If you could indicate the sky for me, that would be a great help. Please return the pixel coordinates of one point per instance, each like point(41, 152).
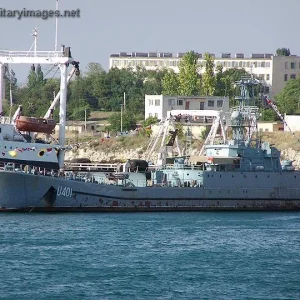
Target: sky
point(106, 26)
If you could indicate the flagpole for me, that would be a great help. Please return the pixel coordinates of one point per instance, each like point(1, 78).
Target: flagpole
point(56, 26)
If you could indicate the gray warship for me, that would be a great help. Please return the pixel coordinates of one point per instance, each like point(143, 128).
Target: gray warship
point(237, 172)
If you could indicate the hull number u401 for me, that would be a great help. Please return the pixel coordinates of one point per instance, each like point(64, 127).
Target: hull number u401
point(64, 191)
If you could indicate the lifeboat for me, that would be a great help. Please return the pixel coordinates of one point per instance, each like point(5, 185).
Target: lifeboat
point(32, 124)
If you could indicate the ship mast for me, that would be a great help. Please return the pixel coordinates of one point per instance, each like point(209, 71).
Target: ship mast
point(244, 117)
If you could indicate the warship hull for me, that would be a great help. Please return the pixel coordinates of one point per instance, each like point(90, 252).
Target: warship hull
point(233, 191)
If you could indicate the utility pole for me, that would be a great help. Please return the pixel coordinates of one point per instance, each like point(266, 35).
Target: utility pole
point(85, 120)
point(124, 101)
point(121, 118)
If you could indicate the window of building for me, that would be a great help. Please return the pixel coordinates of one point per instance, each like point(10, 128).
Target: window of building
point(293, 65)
point(248, 64)
point(262, 64)
point(267, 76)
point(171, 102)
point(268, 64)
point(156, 115)
point(293, 76)
point(150, 102)
point(286, 65)
point(285, 77)
point(211, 103)
point(179, 102)
point(219, 103)
point(157, 102)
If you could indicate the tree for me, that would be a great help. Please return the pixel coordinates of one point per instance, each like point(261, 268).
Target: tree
point(283, 52)
point(10, 84)
point(219, 82)
point(149, 121)
point(153, 82)
point(128, 121)
point(39, 75)
point(31, 78)
point(94, 69)
point(208, 78)
point(189, 78)
point(170, 84)
point(288, 99)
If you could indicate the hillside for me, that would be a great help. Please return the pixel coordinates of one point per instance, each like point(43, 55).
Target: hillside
point(123, 148)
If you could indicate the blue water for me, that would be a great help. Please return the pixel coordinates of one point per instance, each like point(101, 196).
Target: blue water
point(150, 256)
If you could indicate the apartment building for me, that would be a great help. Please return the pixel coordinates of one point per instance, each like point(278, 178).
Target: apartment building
point(159, 105)
point(274, 71)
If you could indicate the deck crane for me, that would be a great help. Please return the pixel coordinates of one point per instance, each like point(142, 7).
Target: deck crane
point(274, 107)
point(75, 71)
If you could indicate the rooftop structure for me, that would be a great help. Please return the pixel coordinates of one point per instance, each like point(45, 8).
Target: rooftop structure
point(159, 105)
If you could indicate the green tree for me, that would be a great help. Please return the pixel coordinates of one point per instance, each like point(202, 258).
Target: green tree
point(128, 121)
point(268, 114)
point(170, 84)
point(31, 78)
point(283, 52)
point(153, 82)
point(39, 75)
point(208, 78)
point(10, 81)
point(149, 121)
point(288, 99)
point(220, 89)
point(189, 78)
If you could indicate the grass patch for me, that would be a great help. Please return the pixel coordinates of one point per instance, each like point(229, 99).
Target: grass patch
point(101, 116)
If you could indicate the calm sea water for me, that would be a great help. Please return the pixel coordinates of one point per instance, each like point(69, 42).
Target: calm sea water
point(150, 256)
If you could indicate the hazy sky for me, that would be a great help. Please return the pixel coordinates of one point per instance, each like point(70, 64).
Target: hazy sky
point(106, 27)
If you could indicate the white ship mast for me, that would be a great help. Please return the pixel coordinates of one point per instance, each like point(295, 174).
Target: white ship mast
point(61, 57)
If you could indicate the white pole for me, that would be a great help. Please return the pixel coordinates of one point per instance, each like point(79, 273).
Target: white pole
point(35, 40)
point(56, 26)
point(62, 112)
point(124, 101)
point(2, 85)
point(121, 118)
point(85, 120)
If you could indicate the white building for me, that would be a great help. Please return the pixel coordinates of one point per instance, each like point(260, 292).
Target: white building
point(159, 105)
point(275, 71)
point(293, 122)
